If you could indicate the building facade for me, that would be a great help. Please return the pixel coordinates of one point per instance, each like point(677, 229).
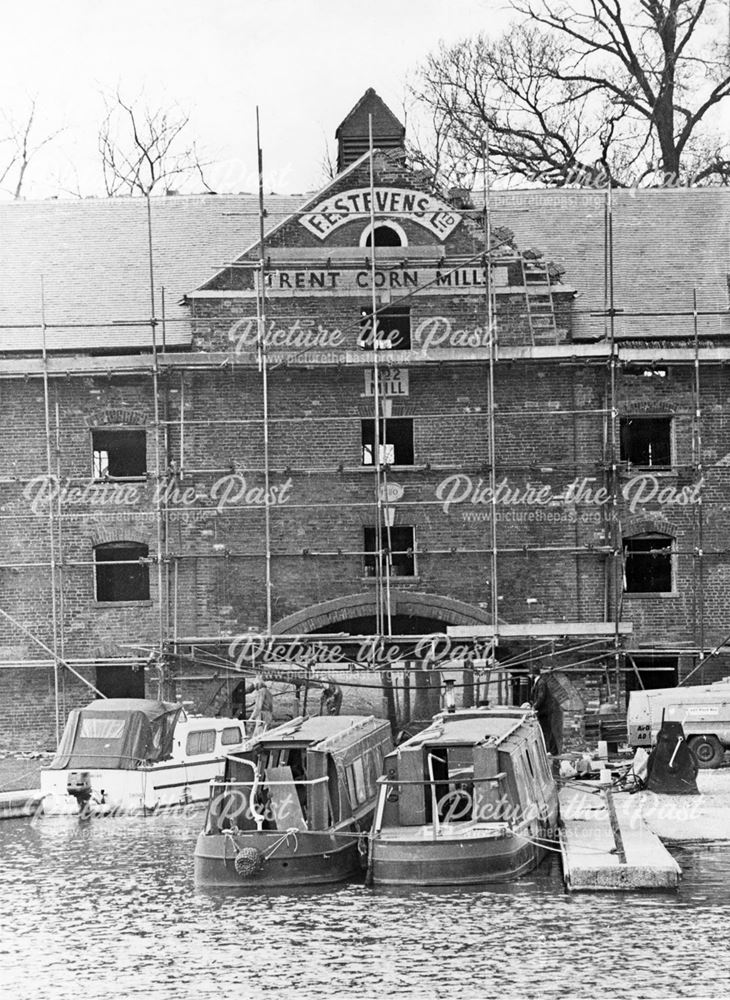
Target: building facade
point(410, 440)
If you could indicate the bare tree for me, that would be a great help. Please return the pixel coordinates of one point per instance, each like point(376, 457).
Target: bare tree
point(143, 149)
point(585, 90)
point(18, 146)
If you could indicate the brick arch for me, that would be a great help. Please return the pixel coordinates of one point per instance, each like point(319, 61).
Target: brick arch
point(648, 526)
point(447, 609)
point(121, 531)
point(115, 416)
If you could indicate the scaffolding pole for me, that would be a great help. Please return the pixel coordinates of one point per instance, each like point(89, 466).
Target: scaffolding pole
point(51, 525)
point(262, 355)
point(156, 405)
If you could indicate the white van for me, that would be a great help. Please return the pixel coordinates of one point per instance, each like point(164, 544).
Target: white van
point(704, 712)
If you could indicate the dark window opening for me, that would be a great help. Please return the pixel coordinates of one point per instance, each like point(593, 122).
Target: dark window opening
point(119, 454)
point(120, 680)
point(120, 575)
point(647, 673)
point(646, 441)
point(452, 791)
point(648, 564)
point(385, 236)
point(393, 329)
point(396, 441)
point(397, 551)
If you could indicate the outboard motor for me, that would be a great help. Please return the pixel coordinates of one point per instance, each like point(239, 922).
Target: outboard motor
point(78, 784)
point(672, 768)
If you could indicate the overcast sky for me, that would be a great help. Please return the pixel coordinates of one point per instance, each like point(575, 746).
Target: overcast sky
point(304, 62)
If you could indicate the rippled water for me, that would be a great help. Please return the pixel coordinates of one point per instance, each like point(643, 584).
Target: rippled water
point(109, 909)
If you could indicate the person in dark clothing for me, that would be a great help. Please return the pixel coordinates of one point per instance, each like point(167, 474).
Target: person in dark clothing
point(549, 713)
point(331, 700)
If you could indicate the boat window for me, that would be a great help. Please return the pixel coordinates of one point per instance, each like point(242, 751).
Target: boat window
point(361, 788)
point(374, 765)
point(201, 741)
point(350, 775)
point(101, 729)
point(231, 735)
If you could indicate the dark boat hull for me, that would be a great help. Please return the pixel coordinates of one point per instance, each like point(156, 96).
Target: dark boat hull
point(471, 861)
point(304, 859)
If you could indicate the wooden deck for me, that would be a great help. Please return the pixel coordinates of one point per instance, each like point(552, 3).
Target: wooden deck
point(599, 854)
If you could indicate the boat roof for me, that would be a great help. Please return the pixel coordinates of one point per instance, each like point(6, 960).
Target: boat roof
point(470, 726)
point(322, 731)
point(152, 709)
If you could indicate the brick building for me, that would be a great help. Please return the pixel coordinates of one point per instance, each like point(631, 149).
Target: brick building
point(188, 464)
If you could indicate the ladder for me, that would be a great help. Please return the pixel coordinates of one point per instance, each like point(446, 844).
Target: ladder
point(539, 299)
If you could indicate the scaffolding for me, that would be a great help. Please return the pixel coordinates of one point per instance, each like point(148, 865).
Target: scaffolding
point(169, 369)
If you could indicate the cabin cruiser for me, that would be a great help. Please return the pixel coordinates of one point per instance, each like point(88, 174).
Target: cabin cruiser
point(469, 800)
point(295, 806)
point(135, 754)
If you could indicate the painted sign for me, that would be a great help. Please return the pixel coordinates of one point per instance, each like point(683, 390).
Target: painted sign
point(397, 203)
point(430, 280)
point(393, 382)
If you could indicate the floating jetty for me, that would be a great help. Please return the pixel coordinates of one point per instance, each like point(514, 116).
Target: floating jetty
point(25, 802)
point(605, 848)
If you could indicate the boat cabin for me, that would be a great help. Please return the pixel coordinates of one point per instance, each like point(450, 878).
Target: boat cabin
point(475, 766)
point(117, 733)
point(308, 774)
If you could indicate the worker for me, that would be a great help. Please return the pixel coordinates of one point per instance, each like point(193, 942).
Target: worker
point(549, 712)
point(263, 705)
point(331, 699)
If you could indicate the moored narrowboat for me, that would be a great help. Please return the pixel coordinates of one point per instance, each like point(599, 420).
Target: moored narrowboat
point(295, 807)
point(467, 801)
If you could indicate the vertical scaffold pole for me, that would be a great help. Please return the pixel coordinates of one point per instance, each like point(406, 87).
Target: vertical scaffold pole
point(492, 333)
point(262, 351)
point(51, 526)
point(616, 541)
point(699, 472)
point(156, 405)
point(379, 601)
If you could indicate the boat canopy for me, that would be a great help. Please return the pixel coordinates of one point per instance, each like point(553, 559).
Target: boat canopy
point(119, 733)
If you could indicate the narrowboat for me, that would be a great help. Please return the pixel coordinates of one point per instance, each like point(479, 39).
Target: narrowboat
point(469, 800)
point(136, 755)
point(295, 807)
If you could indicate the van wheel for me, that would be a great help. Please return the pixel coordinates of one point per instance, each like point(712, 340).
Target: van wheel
point(707, 750)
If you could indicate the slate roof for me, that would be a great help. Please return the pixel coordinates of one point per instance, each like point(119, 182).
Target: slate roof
point(665, 243)
point(356, 122)
point(93, 258)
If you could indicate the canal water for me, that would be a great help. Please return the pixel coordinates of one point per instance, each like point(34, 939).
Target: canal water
point(109, 908)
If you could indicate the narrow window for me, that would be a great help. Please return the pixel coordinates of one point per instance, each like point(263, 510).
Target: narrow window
point(119, 454)
point(199, 742)
point(397, 551)
point(393, 328)
point(646, 441)
point(396, 441)
point(120, 573)
point(648, 564)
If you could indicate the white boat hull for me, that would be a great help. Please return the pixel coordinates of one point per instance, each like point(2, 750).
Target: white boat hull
point(143, 790)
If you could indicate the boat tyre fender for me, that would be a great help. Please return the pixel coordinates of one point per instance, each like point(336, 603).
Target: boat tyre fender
point(248, 862)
